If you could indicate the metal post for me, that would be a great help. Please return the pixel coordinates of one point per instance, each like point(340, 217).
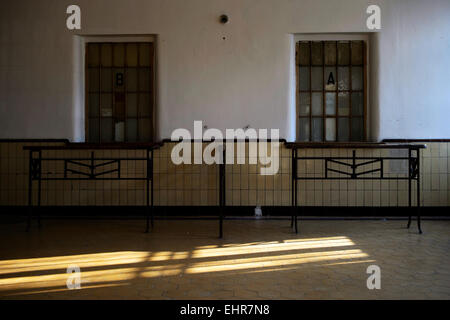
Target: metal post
point(418, 190)
point(30, 190)
point(118, 168)
point(295, 191)
point(353, 164)
point(92, 168)
point(151, 174)
point(410, 173)
point(39, 187)
point(292, 186)
point(221, 192)
point(147, 190)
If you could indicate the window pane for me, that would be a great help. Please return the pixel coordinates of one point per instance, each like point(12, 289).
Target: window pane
point(119, 131)
point(106, 112)
point(119, 106)
point(107, 129)
point(343, 129)
point(93, 55)
point(317, 104)
point(131, 79)
point(337, 70)
point(317, 53)
point(357, 103)
point(93, 130)
point(112, 112)
point(330, 78)
point(357, 52)
point(94, 103)
point(330, 129)
point(357, 129)
point(132, 55)
point(330, 103)
point(144, 105)
point(145, 129)
point(343, 104)
point(304, 78)
point(94, 78)
point(330, 53)
point(304, 53)
point(106, 80)
point(357, 78)
point(106, 105)
point(131, 130)
point(106, 55)
point(317, 129)
point(303, 129)
point(119, 55)
point(317, 78)
point(144, 54)
point(305, 103)
point(343, 53)
point(144, 79)
point(343, 78)
point(131, 105)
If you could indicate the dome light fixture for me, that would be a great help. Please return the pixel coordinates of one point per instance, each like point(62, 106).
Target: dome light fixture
point(224, 19)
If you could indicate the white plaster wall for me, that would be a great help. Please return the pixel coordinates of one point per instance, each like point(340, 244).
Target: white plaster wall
point(414, 67)
point(245, 79)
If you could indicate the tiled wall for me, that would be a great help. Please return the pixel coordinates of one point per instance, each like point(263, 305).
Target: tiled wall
point(197, 184)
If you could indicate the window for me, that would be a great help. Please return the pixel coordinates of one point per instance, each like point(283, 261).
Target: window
point(119, 87)
point(331, 90)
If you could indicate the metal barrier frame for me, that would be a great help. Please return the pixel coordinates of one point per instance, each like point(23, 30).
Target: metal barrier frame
point(353, 164)
point(35, 170)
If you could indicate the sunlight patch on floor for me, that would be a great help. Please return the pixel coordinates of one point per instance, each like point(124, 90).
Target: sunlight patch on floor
point(110, 268)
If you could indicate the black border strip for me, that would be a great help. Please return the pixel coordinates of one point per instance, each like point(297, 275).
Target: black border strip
point(34, 140)
point(246, 140)
point(230, 211)
point(415, 140)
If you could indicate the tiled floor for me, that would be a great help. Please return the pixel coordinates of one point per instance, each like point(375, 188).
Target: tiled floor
point(184, 259)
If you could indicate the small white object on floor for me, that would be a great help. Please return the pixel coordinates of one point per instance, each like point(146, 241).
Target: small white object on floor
point(258, 212)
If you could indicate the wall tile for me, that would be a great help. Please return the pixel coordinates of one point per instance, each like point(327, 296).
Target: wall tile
point(189, 184)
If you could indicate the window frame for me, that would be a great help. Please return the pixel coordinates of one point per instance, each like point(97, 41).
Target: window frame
point(120, 40)
point(323, 39)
